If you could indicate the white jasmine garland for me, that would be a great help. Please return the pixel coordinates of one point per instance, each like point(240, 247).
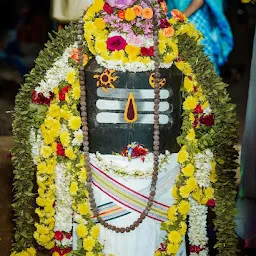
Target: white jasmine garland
point(197, 232)
point(203, 163)
point(56, 73)
point(36, 143)
point(63, 207)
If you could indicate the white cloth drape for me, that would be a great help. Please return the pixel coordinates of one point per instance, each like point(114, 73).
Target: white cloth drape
point(69, 10)
point(146, 239)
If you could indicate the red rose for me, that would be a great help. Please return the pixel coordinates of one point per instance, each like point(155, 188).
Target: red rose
point(207, 120)
point(211, 203)
point(62, 96)
point(108, 9)
point(58, 235)
point(144, 51)
point(151, 51)
point(116, 43)
point(164, 23)
point(198, 109)
point(68, 235)
point(60, 150)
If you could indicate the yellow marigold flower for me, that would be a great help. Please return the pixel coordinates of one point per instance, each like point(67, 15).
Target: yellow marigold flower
point(53, 111)
point(184, 207)
point(81, 230)
point(73, 188)
point(83, 175)
point(65, 114)
point(191, 117)
point(172, 212)
point(75, 122)
point(89, 243)
point(188, 84)
point(169, 58)
point(204, 201)
point(157, 253)
point(71, 77)
point(191, 135)
point(95, 231)
point(197, 195)
point(132, 50)
point(209, 193)
point(184, 191)
point(188, 170)
point(83, 208)
point(174, 237)
point(175, 192)
point(76, 93)
point(99, 23)
point(64, 138)
point(182, 156)
point(192, 184)
point(55, 254)
point(46, 151)
point(189, 103)
point(130, 14)
point(172, 248)
point(70, 153)
point(49, 245)
point(183, 228)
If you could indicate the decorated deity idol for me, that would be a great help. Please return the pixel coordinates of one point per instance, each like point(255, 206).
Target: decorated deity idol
point(129, 134)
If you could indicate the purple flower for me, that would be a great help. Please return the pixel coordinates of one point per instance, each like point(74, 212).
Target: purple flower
point(120, 4)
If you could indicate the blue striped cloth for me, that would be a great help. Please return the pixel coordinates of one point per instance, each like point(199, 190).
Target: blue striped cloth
point(211, 21)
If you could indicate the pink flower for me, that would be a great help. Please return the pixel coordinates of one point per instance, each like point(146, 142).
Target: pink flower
point(120, 4)
point(116, 43)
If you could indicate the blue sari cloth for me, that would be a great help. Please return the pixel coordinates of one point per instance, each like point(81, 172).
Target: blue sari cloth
point(211, 21)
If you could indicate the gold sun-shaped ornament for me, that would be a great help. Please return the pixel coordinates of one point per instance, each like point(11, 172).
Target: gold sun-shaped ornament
point(106, 79)
point(152, 81)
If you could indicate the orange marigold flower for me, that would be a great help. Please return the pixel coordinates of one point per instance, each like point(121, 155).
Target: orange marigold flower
point(164, 6)
point(75, 56)
point(168, 32)
point(178, 15)
point(137, 9)
point(121, 14)
point(147, 13)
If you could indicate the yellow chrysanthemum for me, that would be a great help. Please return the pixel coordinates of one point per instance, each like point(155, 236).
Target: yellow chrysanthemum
point(83, 208)
point(172, 248)
point(75, 122)
point(184, 207)
point(183, 228)
point(191, 117)
point(182, 156)
point(205, 105)
point(89, 243)
point(99, 23)
point(73, 188)
point(130, 14)
point(49, 245)
point(76, 93)
point(188, 84)
point(54, 111)
point(184, 191)
point(100, 46)
point(169, 58)
point(64, 138)
point(117, 55)
point(189, 103)
point(172, 212)
point(83, 175)
point(175, 192)
point(191, 135)
point(46, 151)
point(65, 114)
point(90, 254)
point(209, 193)
point(81, 230)
point(157, 253)
point(192, 184)
point(132, 50)
point(174, 237)
point(188, 170)
point(70, 153)
point(95, 231)
point(71, 77)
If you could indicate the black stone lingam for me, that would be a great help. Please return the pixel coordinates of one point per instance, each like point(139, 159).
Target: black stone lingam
point(108, 130)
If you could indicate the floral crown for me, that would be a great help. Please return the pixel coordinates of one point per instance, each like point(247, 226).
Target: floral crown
point(120, 33)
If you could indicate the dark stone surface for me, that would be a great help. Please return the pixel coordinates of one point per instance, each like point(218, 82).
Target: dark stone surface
point(108, 138)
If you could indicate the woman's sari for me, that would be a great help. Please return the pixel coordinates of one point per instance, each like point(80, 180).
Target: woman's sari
point(212, 23)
